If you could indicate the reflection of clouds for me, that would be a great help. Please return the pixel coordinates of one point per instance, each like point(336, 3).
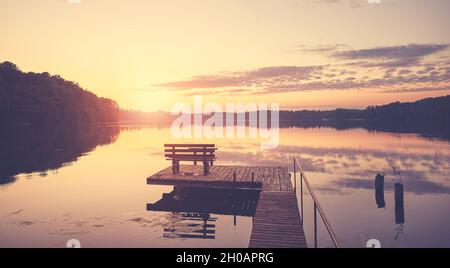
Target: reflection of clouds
point(25, 223)
point(321, 159)
point(327, 189)
point(67, 224)
point(356, 168)
point(414, 182)
point(275, 158)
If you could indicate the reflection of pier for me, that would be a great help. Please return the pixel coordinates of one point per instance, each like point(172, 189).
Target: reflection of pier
point(200, 200)
point(264, 192)
point(191, 225)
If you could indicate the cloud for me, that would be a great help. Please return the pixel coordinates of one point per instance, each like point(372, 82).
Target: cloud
point(356, 3)
point(318, 49)
point(351, 3)
point(406, 68)
point(406, 81)
point(418, 89)
point(257, 77)
point(329, 1)
point(392, 56)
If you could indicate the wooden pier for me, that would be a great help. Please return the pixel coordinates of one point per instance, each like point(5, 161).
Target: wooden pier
point(276, 223)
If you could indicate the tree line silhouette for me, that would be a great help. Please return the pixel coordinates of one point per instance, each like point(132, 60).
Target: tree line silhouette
point(429, 110)
point(426, 116)
point(43, 98)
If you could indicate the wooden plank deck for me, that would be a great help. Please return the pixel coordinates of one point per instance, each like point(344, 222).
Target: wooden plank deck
point(265, 178)
point(277, 222)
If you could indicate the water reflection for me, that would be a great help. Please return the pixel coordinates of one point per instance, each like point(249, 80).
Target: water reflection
point(235, 202)
point(191, 225)
point(399, 206)
point(431, 130)
point(379, 191)
point(29, 149)
point(190, 205)
point(341, 165)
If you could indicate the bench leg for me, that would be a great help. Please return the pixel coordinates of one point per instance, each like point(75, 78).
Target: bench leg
point(205, 168)
point(175, 167)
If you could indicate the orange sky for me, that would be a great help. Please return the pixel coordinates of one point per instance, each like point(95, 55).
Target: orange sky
point(149, 55)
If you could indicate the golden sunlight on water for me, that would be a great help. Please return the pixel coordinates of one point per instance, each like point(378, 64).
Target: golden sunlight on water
point(99, 196)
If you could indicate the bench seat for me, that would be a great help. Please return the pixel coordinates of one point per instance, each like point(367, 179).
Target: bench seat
point(205, 153)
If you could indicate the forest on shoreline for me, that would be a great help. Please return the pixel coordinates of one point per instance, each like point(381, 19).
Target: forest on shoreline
point(43, 98)
point(49, 99)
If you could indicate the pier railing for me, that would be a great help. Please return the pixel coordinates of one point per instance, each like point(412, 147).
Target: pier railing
point(317, 207)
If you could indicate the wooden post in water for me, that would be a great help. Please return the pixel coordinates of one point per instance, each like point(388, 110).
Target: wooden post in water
point(379, 191)
point(234, 176)
point(399, 205)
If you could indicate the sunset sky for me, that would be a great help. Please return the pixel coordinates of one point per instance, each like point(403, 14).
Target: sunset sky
point(309, 54)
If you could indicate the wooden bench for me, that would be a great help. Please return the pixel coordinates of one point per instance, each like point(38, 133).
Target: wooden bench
point(205, 153)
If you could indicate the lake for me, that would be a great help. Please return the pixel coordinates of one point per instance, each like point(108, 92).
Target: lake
point(89, 183)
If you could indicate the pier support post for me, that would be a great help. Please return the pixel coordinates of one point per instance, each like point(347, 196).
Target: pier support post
point(295, 177)
point(301, 194)
point(315, 225)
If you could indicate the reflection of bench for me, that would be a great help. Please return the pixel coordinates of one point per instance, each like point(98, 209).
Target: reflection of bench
point(205, 153)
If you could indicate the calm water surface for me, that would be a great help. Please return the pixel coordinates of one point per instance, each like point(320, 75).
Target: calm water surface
point(90, 184)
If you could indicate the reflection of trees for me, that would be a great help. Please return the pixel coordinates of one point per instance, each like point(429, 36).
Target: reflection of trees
point(192, 207)
point(27, 149)
point(430, 130)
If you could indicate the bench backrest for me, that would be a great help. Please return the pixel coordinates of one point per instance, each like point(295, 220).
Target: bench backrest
point(190, 151)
